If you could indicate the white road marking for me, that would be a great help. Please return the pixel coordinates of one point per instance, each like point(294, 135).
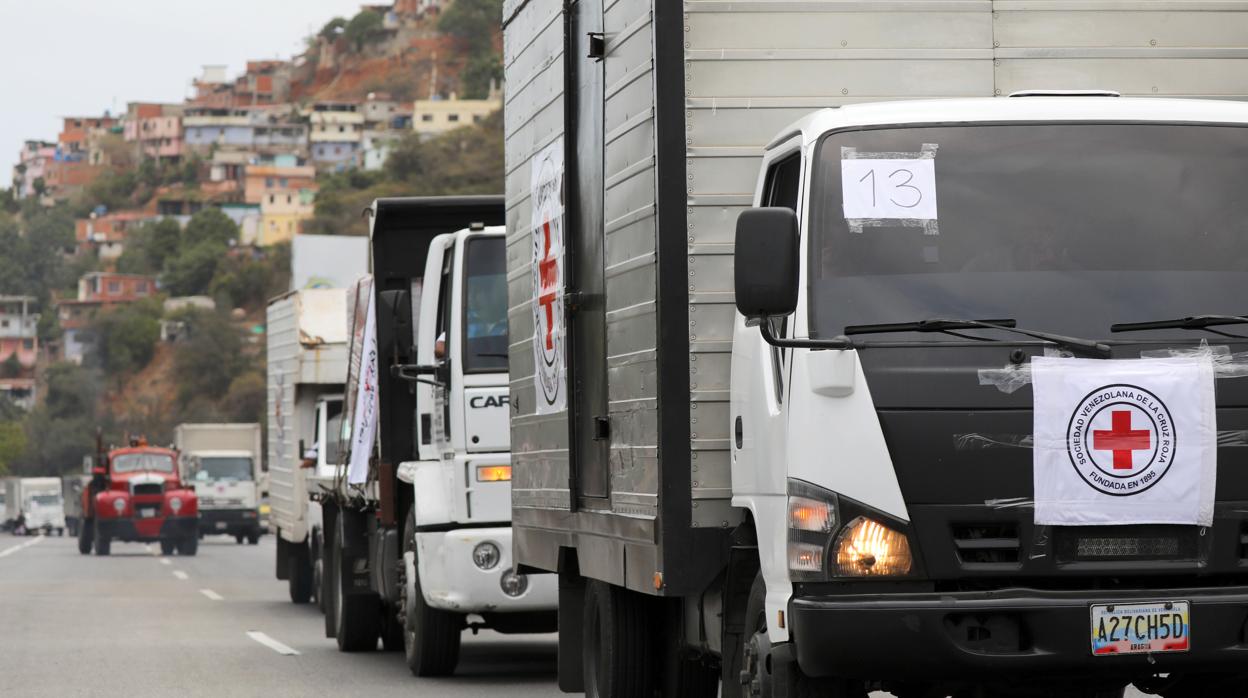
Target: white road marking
point(271, 643)
point(181, 575)
point(163, 561)
point(212, 594)
point(9, 551)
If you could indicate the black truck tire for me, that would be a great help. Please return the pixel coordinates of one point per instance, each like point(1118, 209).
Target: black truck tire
point(618, 654)
point(253, 538)
point(431, 636)
point(238, 538)
point(168, 546)
point(189, 546)
point(86, 532)
point(328, 593)
point(357, 617)
point(299, 574)
point(103, 545)
point(318, 573)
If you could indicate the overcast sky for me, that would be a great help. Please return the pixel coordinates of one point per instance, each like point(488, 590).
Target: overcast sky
point(80, 57)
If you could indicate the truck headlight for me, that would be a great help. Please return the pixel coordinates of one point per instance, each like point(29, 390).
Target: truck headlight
point(486, 556)
point(513, 583)
point(867, 548)
point(119, 504)
point(175, 504)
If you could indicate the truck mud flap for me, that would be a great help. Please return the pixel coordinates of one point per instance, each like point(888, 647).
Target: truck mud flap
point(354, 565)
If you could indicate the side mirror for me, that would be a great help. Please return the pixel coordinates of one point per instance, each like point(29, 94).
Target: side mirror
point(765, 267)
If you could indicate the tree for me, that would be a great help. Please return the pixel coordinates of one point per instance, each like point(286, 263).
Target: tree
point(191, 272)
point(12, 444)
point(11, 367)
point(209, 362)
point(59, 432)
point(150, 246)
point(333, 28)
point(483, 71)
point(126, 337)
point(364, 27)
point(210, 224)
point(473, 22)
point(245, 400)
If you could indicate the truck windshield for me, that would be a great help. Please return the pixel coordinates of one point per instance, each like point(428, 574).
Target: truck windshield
point(223, 468)
point(134, 462)
point(485, 306)
point(46, 500)
point(1064, 227)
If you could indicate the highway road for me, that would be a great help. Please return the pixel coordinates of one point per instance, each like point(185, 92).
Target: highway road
point(137, 624)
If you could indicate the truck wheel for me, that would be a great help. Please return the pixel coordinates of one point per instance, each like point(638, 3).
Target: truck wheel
point(328, 594)
point(60, 532)
point(357, 617)
point(167, 546)
point(102, 544)
point(299, 574)
point(391, 631)
point(431, 636)
point(253, 538)
point(318, 577)
point(189, 546)
point(238, 538)
point(85, 531)
point(617, 656)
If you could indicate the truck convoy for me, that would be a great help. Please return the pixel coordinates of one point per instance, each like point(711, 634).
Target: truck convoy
point(223, 463)
point(35, 505)
point(418, 544)
point(137, 495)
point(773, 418)
point(307, 364)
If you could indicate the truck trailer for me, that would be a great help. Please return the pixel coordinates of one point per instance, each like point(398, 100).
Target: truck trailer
point(419, 515)
point(772, 424)
point(223, 463)
point(307, 363)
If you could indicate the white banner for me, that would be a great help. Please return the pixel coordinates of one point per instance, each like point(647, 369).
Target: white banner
point(1125, 441)
point(364, 418)
point(550, 372)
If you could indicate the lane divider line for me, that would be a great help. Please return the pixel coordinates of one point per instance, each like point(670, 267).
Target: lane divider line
point(181, 575)
point(212, 594)
point(21, 546)
point(271, 643)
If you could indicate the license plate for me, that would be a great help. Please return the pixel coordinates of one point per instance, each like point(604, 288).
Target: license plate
point(1141, 628)
point(147, 513)
point(221, 525)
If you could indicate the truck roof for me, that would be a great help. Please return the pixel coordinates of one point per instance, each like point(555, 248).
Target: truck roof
point(1028, 108)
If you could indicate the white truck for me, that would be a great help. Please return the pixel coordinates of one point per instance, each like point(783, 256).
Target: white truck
point(35, 504)
point(776, 446)
point(420, 538)
point(307, 363)
point(224, 463)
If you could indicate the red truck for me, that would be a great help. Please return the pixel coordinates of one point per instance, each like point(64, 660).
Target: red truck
point(136, 494)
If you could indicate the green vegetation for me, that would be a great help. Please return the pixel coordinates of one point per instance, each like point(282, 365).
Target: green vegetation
point(364, 27)
point(126, 337)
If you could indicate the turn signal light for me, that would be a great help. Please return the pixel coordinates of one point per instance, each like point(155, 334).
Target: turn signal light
point(493, 473)
point(806, 514)
point(868, 548)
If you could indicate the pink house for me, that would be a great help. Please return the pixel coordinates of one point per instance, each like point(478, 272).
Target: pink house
point(19, 330)
point(156, 129)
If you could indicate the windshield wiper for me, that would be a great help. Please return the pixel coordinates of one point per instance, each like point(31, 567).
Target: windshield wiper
point(1075, 345)
point(1195, 322)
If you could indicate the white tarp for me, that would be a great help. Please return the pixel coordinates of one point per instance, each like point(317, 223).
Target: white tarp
point(1124, 441)
point(364, 417)
point(550, 372)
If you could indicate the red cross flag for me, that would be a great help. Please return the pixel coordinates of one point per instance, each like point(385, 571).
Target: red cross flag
point(550, 381)
point(1124, 441)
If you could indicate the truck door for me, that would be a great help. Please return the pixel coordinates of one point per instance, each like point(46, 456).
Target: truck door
point(435, 344)
point(586, 283)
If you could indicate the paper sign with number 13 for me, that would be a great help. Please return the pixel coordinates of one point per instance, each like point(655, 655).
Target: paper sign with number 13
point(888, 188)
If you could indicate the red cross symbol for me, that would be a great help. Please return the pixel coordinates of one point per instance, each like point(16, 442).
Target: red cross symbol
point(548, 271)
point(1122, 439)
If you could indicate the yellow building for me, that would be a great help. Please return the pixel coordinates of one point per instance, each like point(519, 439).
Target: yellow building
point(282, 215)
point(433, 116)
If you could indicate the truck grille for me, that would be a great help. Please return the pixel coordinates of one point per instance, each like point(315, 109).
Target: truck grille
point(148, 488)
point(1117, 543)
point(990, 543)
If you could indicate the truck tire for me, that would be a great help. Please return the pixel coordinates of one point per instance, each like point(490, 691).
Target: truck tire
point(327, 588)
point(238, 538)
point(318, 573)
point(299, 574)
point(103, 545)
point(253, 538)
point(168, 546)
point(431, 636)
point(617, 656)
point(85, 535)
point(188, 546)
point(357, 617)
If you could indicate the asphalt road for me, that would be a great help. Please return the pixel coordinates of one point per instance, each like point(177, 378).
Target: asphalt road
point(135, 624)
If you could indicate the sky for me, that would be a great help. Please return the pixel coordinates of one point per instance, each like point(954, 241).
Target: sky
point(80, 57)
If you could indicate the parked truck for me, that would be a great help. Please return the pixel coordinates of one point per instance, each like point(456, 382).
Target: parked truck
point(36, 504)
point(419, 516)
point(771, 421)
point(223, 462)
point(136, 494)
point(71, 495)
point(307, 363)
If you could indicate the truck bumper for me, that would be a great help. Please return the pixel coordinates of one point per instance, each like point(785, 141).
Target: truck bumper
point(450, 580)
point(1003, 634)
point(148, 530)
point(229, 521)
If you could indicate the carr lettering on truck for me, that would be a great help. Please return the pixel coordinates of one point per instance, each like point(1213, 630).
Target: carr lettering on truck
point(478, 402)
point(824, 414)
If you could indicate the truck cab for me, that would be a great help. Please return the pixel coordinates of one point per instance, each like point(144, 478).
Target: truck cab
point(227, 489)
point(137, 495)
point(905, 269)
point(39, 505)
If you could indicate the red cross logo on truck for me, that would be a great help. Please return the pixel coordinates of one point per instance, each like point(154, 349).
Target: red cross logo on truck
point(548, 269)
point(1122, 440)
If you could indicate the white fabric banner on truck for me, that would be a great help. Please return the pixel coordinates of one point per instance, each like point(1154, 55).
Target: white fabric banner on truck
point(364, 418)
point(1124, 441)
point(550, 368)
